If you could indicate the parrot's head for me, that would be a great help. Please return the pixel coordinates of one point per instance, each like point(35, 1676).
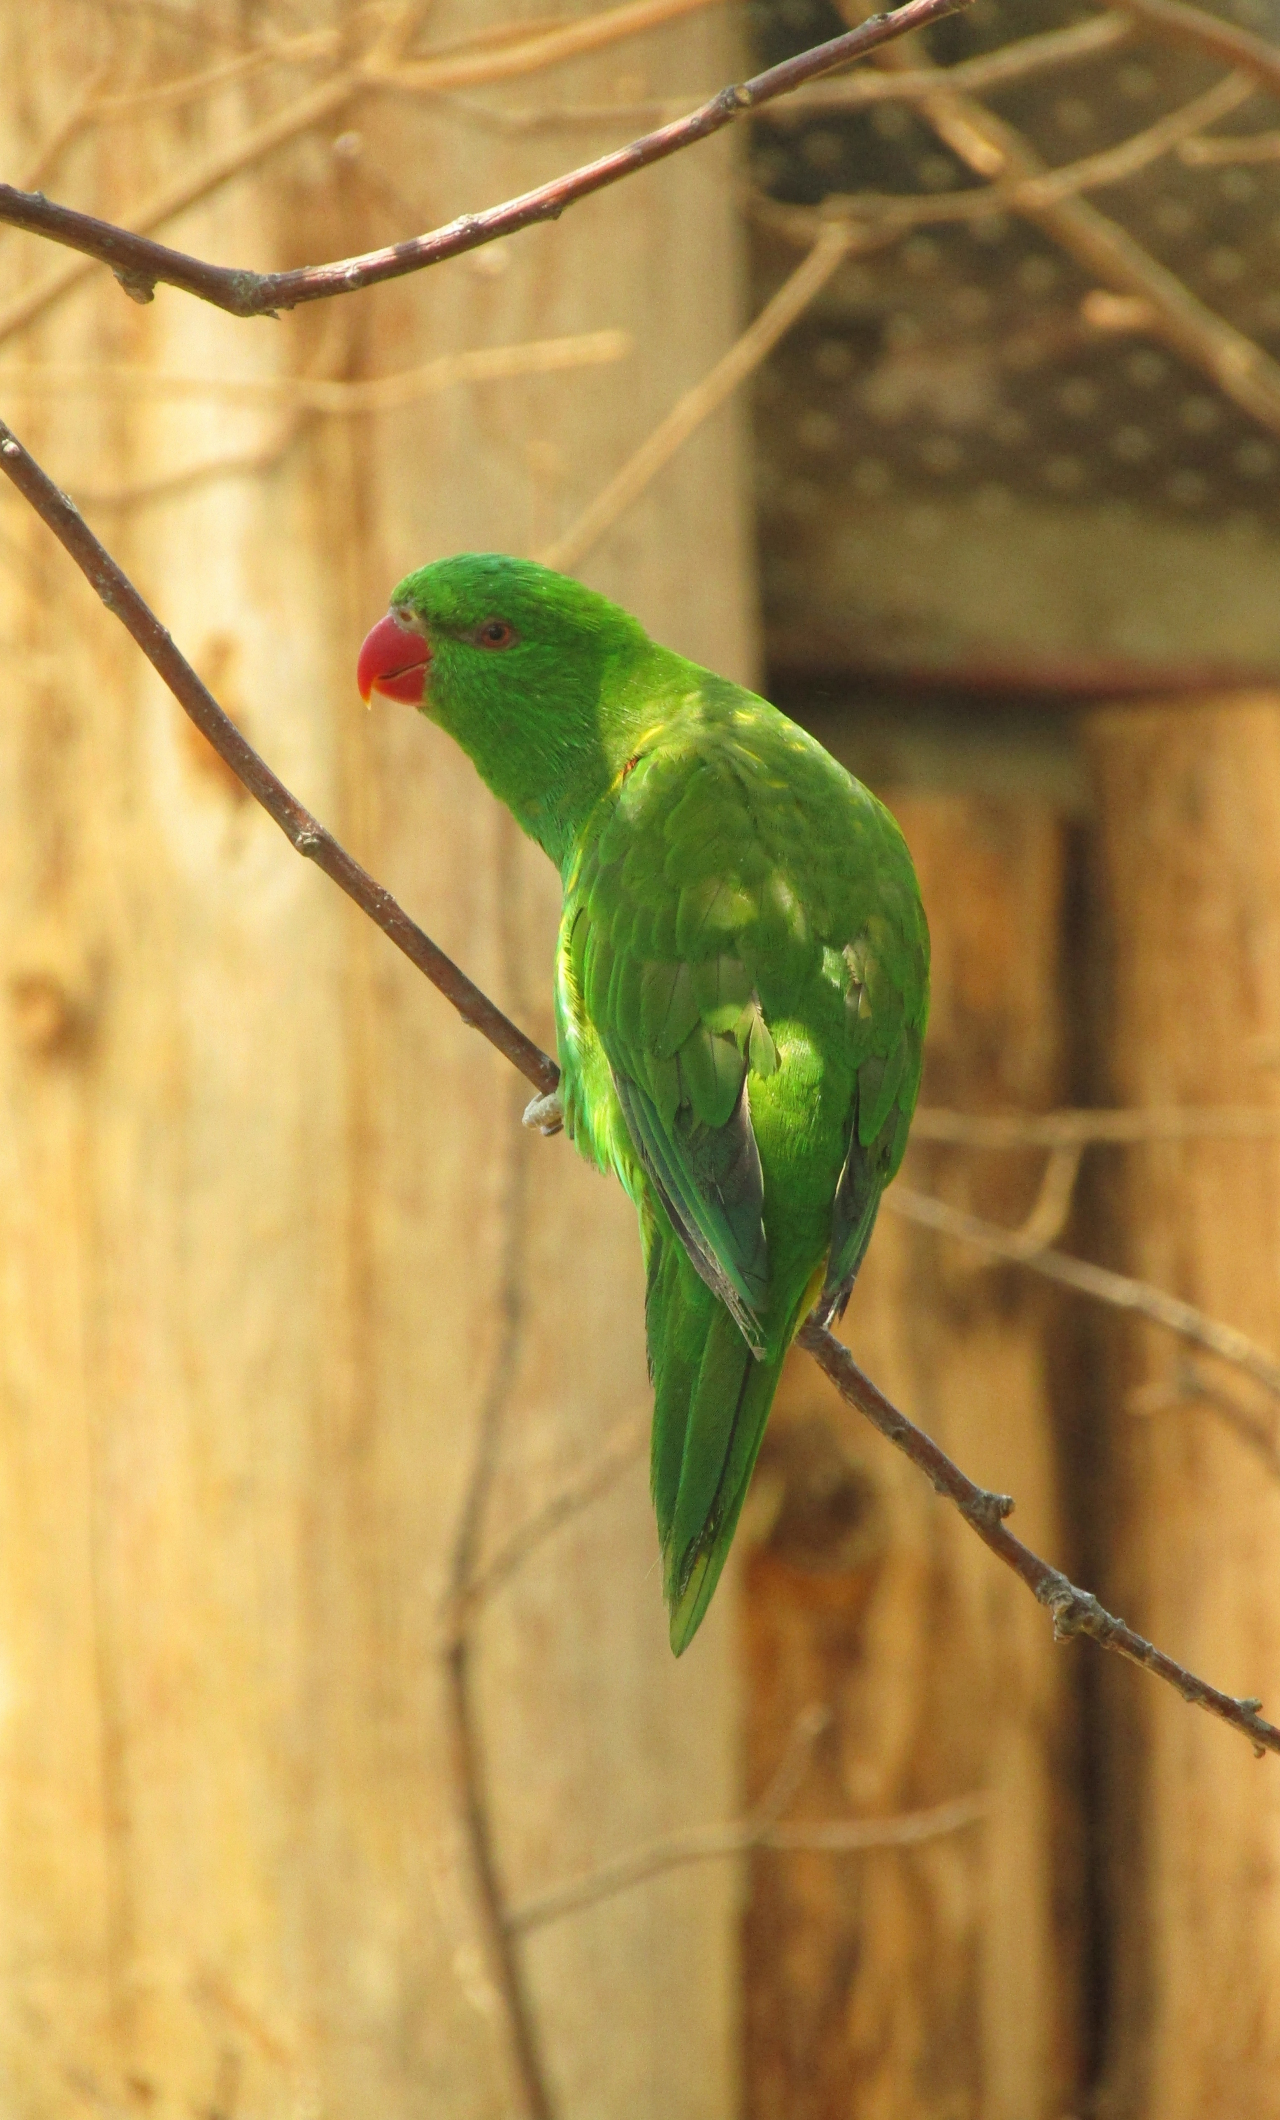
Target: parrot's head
point(531, 673)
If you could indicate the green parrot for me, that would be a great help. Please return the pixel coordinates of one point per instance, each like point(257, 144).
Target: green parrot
point(741, 986)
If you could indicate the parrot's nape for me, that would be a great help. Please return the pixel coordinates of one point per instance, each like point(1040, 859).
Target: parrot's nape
point(741, 986)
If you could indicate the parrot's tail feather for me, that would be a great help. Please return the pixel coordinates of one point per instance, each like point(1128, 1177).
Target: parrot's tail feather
point(711, 1401)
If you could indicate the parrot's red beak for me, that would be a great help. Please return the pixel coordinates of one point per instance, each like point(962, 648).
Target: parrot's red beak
point(393, 661)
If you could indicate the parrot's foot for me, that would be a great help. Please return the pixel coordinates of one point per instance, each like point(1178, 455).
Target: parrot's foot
point(545, 1113)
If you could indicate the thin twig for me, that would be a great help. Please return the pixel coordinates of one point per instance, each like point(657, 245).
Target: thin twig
point(1188, 1386)
point(467, 1756)
point(304, 832)
point(75, 119)
point(697, 405)
point(188, 88)
point(1075, 1611)
point(384, 393)
point(117, 248)
point(238, 463)
point(578, 1492)
point(1048, 52)
point(835, 1836)
point(141, 265)
point(1117, 1290)
point(1031, 194)
point(1052, 1205)
point(1230, 147)
point(1195, 29)
point(1067, 1129)
point(761, 1829)
point(538, 48)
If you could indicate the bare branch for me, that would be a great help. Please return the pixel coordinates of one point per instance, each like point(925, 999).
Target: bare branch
point(188, 88)
point(1047, 53)
point(304, 832)
point(539, 48)
point(383, 393)
point(141, 265)
point(836, 1836)
point(1195, 29)
point(1051, 52)
point(697, 405)
point(1188, 1385)
point(1065, 1129)
point(578, 1492)
point(122, 250)
point(760, 1829)
point(239, 463)
point(1230, 147)
point(467, 1758)
point(1052, 1205)
point(1031, 194)
point(1099, 1282)
point(1074, 1611)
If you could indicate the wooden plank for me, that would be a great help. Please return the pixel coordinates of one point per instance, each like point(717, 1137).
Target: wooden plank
point(1189, 887)
point(942, 1979)
point(266, 1203)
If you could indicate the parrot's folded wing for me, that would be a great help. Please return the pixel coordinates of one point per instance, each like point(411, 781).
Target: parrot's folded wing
point(710, 1182)
point(663, 898)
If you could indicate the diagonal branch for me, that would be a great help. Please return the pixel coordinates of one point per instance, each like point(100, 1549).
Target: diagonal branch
point(687, 415)
point(304, 832)
point(762, 1828)
point(1197, 29)
point(1047, 52)
point(828, 1836)
point(1074, 1611)
point(141, 264)
point(1025, 1248)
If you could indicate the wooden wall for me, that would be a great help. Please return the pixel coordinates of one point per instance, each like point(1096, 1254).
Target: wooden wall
point(271, 1234)
point(1188, 887)
point(945, 1979)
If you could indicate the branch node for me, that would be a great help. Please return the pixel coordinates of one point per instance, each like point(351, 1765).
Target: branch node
point(988, 1508)
point(245, 292)
point(1074, 1611)
point(139, 286)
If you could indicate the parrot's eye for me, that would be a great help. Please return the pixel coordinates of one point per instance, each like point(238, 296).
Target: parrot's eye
point(495, 633)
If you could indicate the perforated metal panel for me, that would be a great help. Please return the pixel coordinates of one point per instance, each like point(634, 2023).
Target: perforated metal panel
point(969, 458)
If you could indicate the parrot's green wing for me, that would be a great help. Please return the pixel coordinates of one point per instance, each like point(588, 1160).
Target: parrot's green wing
point(660, 903)
point(739, 882)
point(887, 1062)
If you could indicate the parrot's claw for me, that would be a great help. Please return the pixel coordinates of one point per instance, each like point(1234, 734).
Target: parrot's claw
point(546, 1114)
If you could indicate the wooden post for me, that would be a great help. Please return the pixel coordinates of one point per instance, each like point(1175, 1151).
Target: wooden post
point(1189, 886)
point(942, 1979)
point(271, 1235)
